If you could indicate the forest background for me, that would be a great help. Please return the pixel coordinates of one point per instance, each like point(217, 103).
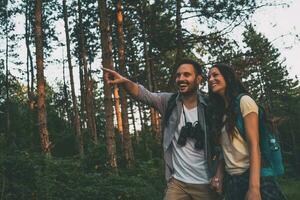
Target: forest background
point(81, 139)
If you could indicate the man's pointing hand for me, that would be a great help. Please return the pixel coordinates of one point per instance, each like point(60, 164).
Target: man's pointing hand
point(112, 77)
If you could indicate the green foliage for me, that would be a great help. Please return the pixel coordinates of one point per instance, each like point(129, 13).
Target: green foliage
point(90, 28)
point(34, 176)
point(290, 187)
point(28, 176)
point(18, 175)
point(147, 148)
point(266, 75)
point(95, 160)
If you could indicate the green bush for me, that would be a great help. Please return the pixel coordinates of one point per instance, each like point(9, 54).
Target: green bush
point(290, 187)
point(28, 176)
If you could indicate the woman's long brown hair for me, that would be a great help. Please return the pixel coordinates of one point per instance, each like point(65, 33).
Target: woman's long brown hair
point(217, 108)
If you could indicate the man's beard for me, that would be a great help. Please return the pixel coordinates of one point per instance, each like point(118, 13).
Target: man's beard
point(190, 91)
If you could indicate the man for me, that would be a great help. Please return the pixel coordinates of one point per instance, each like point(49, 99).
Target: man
point(185, 137)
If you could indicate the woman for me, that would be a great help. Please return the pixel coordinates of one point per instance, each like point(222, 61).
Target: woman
point(242, 157)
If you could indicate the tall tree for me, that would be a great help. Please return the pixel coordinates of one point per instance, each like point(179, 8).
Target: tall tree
point(132, 112)
point(267, 75)
point(87, 82)
point(148, 71)
point(107, 61)
point(127, 145)
point(7, 112)
point(29, 63)
point(42, 114)
point(148, 60)
point(179, 42)
point(76, 119)
point(118, 110)
point(10, 42)
point(66, 102)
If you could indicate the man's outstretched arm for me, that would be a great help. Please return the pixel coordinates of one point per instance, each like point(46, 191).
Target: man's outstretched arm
point(113, 77)
point(138, 92)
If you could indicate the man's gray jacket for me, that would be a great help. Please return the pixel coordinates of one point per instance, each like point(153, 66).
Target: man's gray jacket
point(160, 101)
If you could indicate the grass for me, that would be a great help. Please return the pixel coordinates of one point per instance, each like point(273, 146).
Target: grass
point(290, 187)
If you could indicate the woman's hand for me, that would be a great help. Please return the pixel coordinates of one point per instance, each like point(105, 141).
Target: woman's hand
point(217, 183)
point(253, 194)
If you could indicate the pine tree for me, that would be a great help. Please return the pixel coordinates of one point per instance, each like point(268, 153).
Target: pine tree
point(107, 61)
point(127, 145)
point(41, 86)
point(267, 74)
point(76, 119)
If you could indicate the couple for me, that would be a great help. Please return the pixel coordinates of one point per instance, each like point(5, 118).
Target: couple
point(193, 126)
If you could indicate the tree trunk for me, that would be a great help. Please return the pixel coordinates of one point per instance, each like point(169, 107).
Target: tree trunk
point(30, 76)
point(107, 62)
point(88, 89)
point(76, 119)
point(133, 121)
point(154, 114)
point(9, 136)
point(66, 98)
point(29, 63)
point(117, 96)
point(157, 124)
point(179, 49)
point(141, 116)
point(148, 66)
point(134, 70)
point(82, 96)
point(145, 108)
point(29, 56)
point(42, 114)
point(128, 151)
point(158, 135)
point(118, 110)
point(7, 81)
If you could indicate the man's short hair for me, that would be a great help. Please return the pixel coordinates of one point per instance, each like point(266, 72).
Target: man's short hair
point(197, 67)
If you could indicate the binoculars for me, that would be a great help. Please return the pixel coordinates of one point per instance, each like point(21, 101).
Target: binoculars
point(193, 131)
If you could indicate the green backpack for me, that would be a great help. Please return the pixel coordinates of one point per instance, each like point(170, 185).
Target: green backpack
point(272, 162)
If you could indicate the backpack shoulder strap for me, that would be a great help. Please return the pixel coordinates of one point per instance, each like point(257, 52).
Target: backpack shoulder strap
point(170, 106)
point(239, 118)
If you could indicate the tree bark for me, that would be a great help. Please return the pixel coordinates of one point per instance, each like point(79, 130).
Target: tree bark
point(29, 63)
point(148, 66)
point(134, 70)
point(154, 114)
point(9, 136)
point(127, 145)
point(179, 42)
point(75, 117)
point(29, 56)
point(117, 96)
point(141, 116)
point(107, 62)
point(42, 114)
point(88, 89)
point(118, 111)
point(133, 121)
point(66, 98)
point(82, 96)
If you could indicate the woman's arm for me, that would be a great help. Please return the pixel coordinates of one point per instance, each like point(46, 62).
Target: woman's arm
point(252, 134)
point(217, 179)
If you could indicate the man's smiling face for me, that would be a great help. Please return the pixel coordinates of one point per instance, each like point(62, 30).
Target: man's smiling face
point(187, 80)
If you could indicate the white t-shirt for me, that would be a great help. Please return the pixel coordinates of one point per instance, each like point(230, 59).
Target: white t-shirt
point(190, 165)
point(236, 152)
